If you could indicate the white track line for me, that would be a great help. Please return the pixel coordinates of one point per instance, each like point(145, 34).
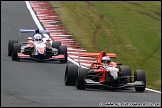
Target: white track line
point(41, 28)
point(153, 90)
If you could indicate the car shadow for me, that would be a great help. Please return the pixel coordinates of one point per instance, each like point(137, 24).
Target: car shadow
point(123, 90)
point(35, 61)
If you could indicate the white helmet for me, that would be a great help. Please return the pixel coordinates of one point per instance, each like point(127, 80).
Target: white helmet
point(37, 37)
point(105, 59)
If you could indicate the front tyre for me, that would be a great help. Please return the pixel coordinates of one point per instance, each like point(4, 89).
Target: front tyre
point(16, 49)
point(80, 81)
point(139, 75)
point(10, 46)
point(70, 74)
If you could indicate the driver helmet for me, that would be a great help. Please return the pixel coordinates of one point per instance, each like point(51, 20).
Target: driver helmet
point(105, 60)
point(37, 37)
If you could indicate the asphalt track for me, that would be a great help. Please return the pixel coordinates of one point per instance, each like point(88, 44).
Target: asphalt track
point(34, 84)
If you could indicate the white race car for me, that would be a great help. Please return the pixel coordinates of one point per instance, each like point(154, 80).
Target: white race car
point(41, 51)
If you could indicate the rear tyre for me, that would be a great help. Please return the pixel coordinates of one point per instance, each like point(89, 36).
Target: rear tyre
point(70, 74)
point(80, 81)
point(63, 50)
point(126, 70)
point(56, 44)
point(139, 75)
point(16, 49)
point(10, 46)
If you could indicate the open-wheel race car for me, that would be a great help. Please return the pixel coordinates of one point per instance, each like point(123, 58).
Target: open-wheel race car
point(37, 48)
point(111, 75)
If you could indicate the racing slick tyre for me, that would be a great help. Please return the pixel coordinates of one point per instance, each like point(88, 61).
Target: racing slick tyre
point(63, 50)
point(139, 75)
point(10, 46)
point(80, 80)
point(126, 70)
point(70, 74)
point(56, 44)
point(16, 49)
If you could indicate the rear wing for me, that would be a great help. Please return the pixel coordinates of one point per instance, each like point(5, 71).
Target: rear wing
point(87, 54)
point(34, 31)
point(97, 56)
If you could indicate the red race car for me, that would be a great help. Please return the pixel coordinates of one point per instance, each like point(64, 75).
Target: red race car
point(104, 73)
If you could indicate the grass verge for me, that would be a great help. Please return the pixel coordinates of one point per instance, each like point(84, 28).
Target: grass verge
point(131, 29)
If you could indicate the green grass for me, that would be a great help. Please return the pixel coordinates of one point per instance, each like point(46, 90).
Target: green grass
point(131, 29)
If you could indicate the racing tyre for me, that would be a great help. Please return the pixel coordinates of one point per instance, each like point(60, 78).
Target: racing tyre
point(63, 50)
point(80, 81)
point(139, 75)
point(10, 46)
point(16, 49)
point(56, 44)
point(70, 74)
point(126, 70)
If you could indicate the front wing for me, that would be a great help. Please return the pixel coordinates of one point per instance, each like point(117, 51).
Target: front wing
point(53, 58)
point(90, 83)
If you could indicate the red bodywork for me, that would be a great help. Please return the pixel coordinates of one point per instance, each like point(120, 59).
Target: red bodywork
point(102, 77)
point(98, 62)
